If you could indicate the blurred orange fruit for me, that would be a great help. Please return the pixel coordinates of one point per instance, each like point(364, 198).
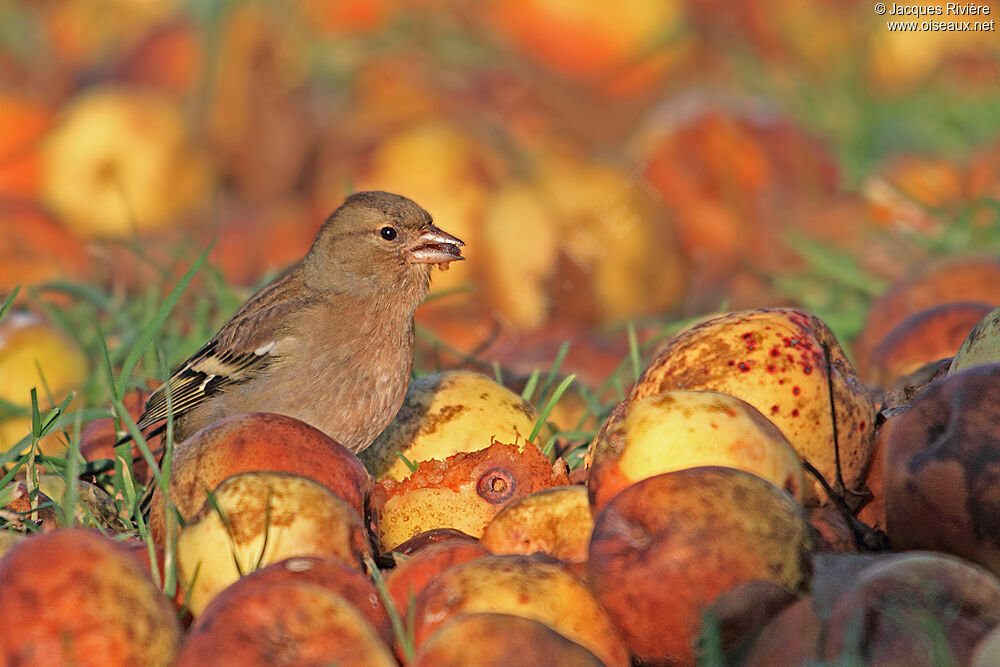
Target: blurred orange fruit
point(23, 121)
point(35, 355)
point(35, 249)
point(120, 161)
point(587, 40)
point(581, 241)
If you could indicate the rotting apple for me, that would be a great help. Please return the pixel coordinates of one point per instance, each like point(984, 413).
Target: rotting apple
point(665, 548)
point(742, 612)
point(73, 596)
point(942, 463)
point(412, 575)
point(911, 606)
point(328, 573)
point(974, 278)
point(447, 413)
point(253, 519)
point(298, 623)
point(427, 538)
point(465, 491)
point(987, 653)
point(487, 640)
point(121, 161)
point(923, 337)
point(521, 586)
point(793, 637)
point(981, 346)
point(556, 521)
point(35, 355)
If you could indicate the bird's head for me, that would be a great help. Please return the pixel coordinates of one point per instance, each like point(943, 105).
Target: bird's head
point(377, 244)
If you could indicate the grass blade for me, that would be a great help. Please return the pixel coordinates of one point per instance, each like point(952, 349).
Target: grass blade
point(554, 372)
point(530, 385)
point(9, 301)
point(633, 350)
point(556, 395)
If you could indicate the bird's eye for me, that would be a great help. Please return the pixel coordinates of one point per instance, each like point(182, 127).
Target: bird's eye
point(388, 233)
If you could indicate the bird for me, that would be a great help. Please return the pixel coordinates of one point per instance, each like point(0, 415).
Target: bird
point(330, 340)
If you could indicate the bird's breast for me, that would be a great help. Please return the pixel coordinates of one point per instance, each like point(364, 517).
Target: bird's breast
point(351, 392)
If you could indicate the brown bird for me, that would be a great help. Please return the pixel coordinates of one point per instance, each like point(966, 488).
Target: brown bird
point(330, 341)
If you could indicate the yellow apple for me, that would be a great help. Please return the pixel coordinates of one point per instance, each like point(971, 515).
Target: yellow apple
point(681, 429)
point(259, 518)
point(34, 354)
point(447, 413)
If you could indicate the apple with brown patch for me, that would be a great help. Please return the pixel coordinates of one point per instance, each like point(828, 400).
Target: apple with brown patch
point(257, 518)
point(487, 640)
point(448, 413)
point(74, 596)
point(521, 586)
point(666, 547)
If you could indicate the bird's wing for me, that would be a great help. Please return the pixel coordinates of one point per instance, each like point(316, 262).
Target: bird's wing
point(239, 352)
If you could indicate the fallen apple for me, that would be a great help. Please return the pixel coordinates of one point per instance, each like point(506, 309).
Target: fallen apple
point(465, 491)
point(926, 336)
point(942, 462)
point(666, 547)
point(793, 637)
point(291, 623)
point(73, 596)
point(35, 355)
point(681, 429)
point(254, 519)
point(411, 576)
point(330, 574)
point(556, 522)
point(912, 606)
point(520, 586)
point(257, 441)
point(447, 413)
point(981, 346)
point(489, 640)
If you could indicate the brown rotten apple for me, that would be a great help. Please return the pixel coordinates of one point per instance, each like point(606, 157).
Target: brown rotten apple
point(774, 359)
point(664, 548)
point(75, 597)
point(907, 607)
point(942, 466)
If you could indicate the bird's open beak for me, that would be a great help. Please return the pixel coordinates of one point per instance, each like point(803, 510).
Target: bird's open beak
point(434, 246)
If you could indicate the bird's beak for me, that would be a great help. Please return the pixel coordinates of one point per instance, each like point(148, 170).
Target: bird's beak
point(434, 246)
